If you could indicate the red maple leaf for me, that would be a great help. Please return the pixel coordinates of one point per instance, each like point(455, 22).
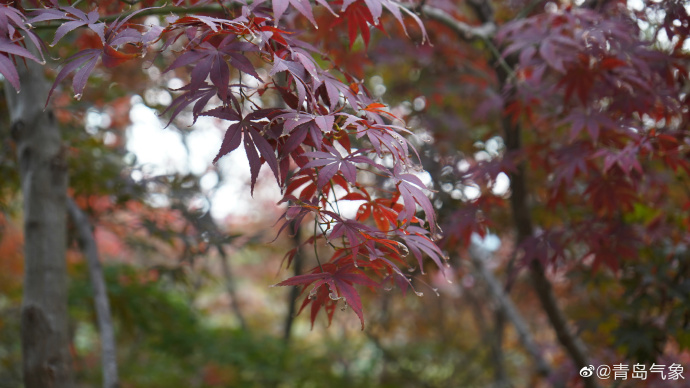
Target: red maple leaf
point(339, 282)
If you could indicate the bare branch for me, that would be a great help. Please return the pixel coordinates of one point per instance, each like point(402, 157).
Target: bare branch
point(230, 286)
point(89, 248)
point(479, 256)
point(484, 31)
point(466, 31)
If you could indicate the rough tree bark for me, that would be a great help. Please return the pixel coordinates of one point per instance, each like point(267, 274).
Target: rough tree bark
point(89, 248)
point(43, 172)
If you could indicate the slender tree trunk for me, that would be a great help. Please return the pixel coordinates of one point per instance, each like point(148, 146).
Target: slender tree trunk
point(294, 291)
point(501, 379)
point(522, 218)
point(43, 172)
point(230, 286)
point(100, 295)
point(520, 207)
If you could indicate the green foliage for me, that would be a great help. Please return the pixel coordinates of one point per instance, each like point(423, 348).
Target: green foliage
point(165, 342)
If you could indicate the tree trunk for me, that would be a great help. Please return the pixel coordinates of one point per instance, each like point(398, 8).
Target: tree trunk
point(87, 242)
point(294, 291)
point(522, 216)
point(43, 173)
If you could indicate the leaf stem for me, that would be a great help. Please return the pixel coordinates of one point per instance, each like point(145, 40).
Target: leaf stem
point(316, 251)
point(145, 12)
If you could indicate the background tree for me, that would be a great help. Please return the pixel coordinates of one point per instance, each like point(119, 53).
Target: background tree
point(43, 173)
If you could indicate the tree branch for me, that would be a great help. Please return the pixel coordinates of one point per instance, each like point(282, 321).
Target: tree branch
point(484, 31)
point(522, 216)
point(479, 256)
point(491, 336)
point(89, 248)
point(464, 30)
point(230, 286)
point(204, 224)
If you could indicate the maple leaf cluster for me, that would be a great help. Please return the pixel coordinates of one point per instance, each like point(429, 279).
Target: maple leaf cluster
point(605, 116)
point(603, 108)
point(306, 143)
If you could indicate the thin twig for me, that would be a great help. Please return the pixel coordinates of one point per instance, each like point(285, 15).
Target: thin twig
point(316, 251)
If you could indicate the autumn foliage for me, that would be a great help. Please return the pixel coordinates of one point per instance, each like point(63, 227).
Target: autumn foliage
point(604, 111)
point(306, 142)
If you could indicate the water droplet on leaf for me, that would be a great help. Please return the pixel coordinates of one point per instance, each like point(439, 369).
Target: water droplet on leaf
point(404, 248)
